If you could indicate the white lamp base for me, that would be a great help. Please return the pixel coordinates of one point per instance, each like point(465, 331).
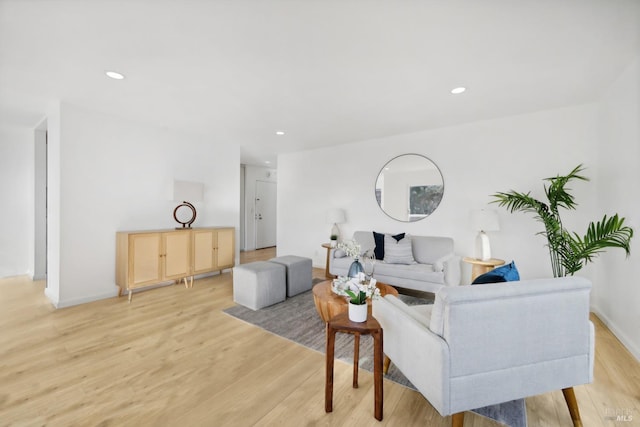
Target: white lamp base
point(335, 231)
point(483, 248)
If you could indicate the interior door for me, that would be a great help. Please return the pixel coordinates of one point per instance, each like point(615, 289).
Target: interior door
point(265, 214)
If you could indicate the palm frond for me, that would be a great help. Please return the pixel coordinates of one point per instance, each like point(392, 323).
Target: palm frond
point(515, 201)
point(607, 233)
point(569, 252)
point(557, 192)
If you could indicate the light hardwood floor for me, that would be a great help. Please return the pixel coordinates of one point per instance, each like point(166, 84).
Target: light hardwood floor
point(173, 358)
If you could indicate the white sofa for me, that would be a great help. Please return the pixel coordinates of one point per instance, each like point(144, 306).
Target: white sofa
point(481, 345)
point(436, 263)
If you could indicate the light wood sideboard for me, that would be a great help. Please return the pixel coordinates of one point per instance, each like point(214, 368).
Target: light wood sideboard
point(145, 258)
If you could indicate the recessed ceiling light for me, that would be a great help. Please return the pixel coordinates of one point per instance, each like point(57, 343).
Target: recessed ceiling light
point(114, 75)
point(458, 90)
point(279, 132)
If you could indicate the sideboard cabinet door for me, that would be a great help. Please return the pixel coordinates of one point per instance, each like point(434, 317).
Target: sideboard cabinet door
point(226, 250)
point(213, 249)
point(176, 254)
point(145, 261)
point(204, 242)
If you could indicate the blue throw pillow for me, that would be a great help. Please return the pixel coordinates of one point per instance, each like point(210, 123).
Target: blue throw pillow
point(506, 273)
point(379, 239)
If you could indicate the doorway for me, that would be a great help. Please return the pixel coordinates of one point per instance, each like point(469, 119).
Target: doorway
point(265, 214)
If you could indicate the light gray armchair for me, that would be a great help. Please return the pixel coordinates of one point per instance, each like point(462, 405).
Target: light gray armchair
point(487, 344)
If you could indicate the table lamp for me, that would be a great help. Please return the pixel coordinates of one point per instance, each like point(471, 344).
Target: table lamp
point(335, 217)
point(483, 220)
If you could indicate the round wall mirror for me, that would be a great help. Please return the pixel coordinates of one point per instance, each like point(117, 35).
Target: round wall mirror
point(409, 187)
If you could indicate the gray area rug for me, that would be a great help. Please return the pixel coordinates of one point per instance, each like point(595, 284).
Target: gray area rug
point(296, 319)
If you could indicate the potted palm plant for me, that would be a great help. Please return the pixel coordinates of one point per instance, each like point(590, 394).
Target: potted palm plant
point(569, 252)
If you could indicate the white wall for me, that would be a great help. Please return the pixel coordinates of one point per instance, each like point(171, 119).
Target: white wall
point(16, 193)
point(616, 294)
point(117, 175)
point(52, 291)
point(40, 202)
point(476, 160)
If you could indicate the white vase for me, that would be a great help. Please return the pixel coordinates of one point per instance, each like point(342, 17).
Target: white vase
point(358, 312)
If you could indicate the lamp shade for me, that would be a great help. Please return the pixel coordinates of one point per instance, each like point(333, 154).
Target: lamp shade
point(335, 216)
point(484, 220)
point(188, 191)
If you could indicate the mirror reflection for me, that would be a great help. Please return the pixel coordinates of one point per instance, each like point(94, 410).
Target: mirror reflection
point(409, 187)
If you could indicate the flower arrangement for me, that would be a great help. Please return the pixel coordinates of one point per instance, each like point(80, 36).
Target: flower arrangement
point(357, 289)
point(351, 248)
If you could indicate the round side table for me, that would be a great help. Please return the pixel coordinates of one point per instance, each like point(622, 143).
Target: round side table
point(479, 267)
point(328, 247)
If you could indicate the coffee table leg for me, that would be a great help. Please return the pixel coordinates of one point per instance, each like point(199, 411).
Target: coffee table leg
point(356, 358)
point(328, 387)
point(377, 373)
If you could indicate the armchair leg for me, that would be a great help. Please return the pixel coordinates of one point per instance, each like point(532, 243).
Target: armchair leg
point(386, 364)
point(572, 403)
point(457, 419)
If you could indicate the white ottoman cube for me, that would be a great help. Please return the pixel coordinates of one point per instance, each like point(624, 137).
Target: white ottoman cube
point(259, 284)
point(299, 275)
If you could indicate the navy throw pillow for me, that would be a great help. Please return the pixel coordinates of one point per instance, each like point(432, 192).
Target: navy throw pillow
point(379, 239)
point(506, 273)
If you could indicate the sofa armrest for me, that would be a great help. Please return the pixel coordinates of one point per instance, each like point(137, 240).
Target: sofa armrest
point(335, 253)
point(450, 265)
point(422, 356)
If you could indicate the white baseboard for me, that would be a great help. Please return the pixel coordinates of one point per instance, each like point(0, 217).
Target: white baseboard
point(91, 298)
point(52, 298)
point(83, 300)
point(628, 343)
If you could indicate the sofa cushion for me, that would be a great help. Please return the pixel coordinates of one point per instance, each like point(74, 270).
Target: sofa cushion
point(366, 241)
point(419, 272)
point(430, 249)
point(506, 273)
point(379, 239)
point(398, 251)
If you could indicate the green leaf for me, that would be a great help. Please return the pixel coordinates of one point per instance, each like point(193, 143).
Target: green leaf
point(568, 251)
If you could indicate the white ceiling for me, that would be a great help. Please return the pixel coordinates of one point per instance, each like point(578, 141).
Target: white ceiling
point(325, 71)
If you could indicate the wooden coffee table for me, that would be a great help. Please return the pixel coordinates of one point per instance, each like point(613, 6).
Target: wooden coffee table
point(330, 304)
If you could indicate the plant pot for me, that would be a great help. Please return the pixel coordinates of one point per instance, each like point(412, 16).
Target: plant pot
point(355, 268)
point(358, 312)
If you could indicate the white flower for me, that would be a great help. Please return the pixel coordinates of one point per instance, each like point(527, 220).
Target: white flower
point(357, 289)
point(351, 248)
